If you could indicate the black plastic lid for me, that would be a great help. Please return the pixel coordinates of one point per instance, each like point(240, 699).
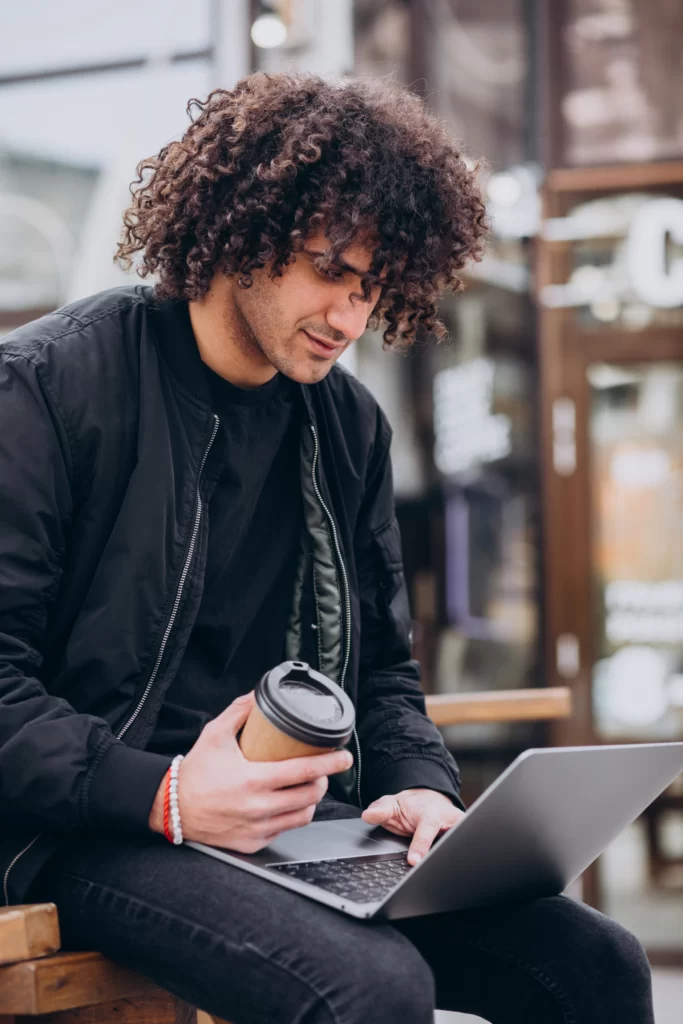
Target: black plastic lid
point(306, 705)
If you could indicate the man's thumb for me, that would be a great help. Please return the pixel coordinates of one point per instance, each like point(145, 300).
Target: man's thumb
point(230, 721)
point(378, 810)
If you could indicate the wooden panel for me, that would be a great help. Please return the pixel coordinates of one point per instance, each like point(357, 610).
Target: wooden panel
point(28, 931)
point(655, 344)
point(500, 705)
point(565, 499)
point(614, 178)
point(66, 981)
point(156, 1008)
point(547, 79)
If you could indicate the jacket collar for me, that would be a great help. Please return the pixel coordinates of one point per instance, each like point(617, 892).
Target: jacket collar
point(171, 323)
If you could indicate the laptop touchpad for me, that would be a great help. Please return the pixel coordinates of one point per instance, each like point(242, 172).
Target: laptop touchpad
point(323, 840)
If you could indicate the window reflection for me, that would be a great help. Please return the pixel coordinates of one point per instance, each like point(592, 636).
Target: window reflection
point(485, 452)
point(624, 81)
point(382, 39)
point(477, 69)
point(626, 264)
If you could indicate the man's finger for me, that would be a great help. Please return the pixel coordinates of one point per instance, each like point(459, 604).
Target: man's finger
point(295, 798)
point(295, 770)
point(423, 837)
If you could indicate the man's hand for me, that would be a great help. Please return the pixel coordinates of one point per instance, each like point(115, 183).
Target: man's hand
point(242, 805)
point(420, 813)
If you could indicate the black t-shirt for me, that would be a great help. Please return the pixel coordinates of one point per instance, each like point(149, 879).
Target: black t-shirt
point(254, 519)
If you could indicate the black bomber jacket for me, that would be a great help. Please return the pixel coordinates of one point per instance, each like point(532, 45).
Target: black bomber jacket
point(105, 428)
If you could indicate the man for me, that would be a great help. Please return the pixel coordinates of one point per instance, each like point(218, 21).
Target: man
point(192, 491)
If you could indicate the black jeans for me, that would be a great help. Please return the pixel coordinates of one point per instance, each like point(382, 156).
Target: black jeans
point(254, 953)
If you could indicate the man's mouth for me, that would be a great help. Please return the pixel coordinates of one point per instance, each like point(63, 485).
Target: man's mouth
point(327, 348)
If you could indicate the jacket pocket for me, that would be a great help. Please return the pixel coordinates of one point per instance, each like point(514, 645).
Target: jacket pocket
point(388, 540)
point(393, 588)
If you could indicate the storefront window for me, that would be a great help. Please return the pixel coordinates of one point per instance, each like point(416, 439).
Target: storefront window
point(382, 39)
point(636, 437)
point(626, 266)
point(485, 456)
point(476, 69)
point(624, 78)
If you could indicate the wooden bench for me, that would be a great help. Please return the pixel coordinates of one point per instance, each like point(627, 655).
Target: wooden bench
point(36, 980)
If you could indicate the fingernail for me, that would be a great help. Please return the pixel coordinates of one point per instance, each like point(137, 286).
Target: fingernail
point(415, 858)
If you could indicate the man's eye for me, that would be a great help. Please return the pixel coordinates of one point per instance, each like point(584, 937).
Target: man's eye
point(331, 274)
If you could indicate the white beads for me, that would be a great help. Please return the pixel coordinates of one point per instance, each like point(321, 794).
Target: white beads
point(175, 810)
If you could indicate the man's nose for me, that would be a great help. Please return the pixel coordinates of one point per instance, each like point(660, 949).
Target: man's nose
point(349, 317)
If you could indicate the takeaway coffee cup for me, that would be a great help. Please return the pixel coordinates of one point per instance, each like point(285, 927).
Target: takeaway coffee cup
point(298, 711)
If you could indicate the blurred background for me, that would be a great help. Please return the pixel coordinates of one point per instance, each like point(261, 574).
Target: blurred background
point(538, 453)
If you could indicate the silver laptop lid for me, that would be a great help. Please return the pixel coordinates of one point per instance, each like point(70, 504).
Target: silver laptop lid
point(538, 826)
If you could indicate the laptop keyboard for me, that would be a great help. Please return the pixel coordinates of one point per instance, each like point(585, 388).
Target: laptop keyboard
point(360, 879)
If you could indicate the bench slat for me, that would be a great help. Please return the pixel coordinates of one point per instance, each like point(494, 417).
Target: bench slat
point(500, 705)
point(155, 1008)
point(66, 981)
point(28, 931)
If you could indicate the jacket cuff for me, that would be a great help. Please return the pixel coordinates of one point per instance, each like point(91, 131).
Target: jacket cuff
point(124, 787)
point(411, 773)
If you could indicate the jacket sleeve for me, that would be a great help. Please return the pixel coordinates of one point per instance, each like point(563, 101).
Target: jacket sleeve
point(49, 754)
point(401, 747)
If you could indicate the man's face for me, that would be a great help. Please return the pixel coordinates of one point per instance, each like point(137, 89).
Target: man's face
point(301, 323)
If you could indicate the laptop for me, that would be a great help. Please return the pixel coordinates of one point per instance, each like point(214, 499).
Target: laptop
point(540, 824)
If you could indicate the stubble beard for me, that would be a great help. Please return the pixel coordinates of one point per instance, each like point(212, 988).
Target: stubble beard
point(238, 321)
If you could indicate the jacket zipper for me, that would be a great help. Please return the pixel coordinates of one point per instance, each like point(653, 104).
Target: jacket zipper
point(346, 619)
point(164, 640)
point(5, 881)
point(181, 586)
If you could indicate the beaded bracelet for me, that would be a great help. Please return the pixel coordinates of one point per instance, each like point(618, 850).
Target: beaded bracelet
point(174, 808)
point(172, 827)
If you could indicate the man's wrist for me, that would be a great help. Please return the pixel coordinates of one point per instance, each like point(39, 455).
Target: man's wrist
point(156, 815)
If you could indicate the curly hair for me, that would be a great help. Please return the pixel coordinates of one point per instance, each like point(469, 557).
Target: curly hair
point(265, 165)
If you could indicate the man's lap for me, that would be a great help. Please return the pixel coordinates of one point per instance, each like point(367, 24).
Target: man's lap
point(248, 950)
point(188, 921)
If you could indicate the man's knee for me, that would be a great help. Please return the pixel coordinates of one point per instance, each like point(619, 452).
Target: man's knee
point(619, 954)
point(395, 982)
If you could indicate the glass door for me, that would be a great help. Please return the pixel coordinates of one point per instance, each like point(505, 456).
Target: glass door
point(635, 439)
point(611, 372)
point(614, 624)
point(635, 432)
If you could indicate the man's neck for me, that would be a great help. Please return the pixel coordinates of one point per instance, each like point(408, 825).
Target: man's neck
point(222, 338)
